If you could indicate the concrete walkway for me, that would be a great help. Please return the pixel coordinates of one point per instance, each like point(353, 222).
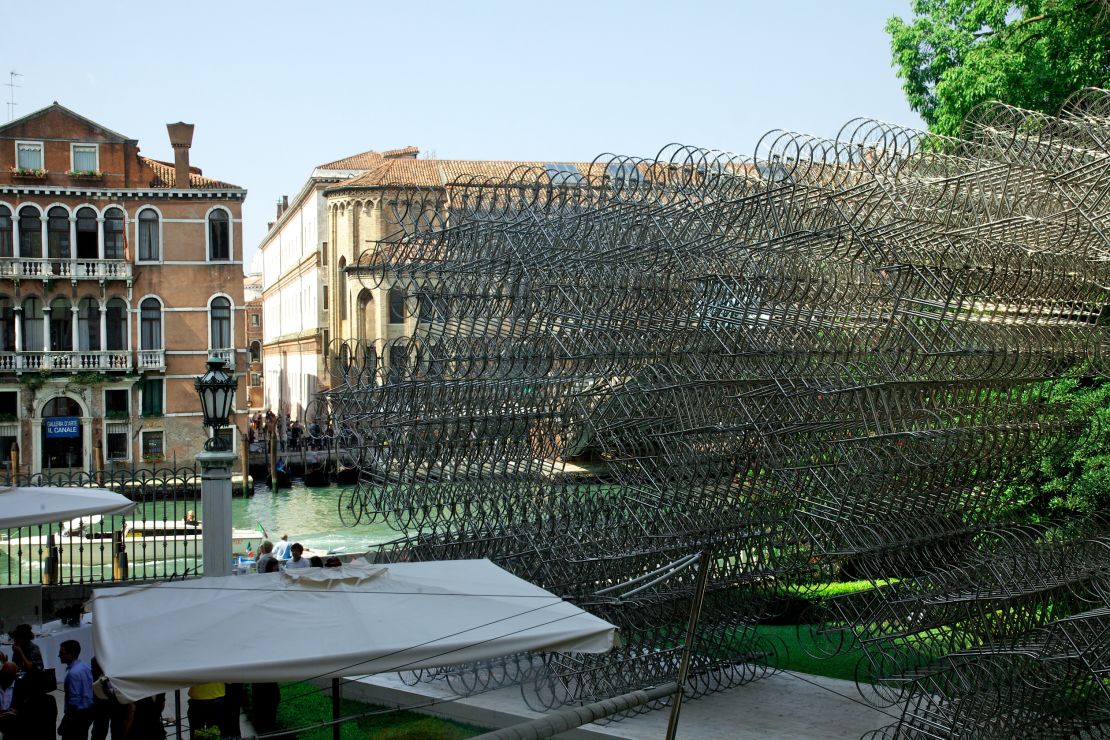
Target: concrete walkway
point(782, 707)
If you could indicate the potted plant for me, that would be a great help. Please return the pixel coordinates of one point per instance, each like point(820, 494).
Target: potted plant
point(85, 174)
point(30, 173)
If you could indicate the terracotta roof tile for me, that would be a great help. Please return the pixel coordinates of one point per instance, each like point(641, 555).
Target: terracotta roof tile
point(439, 172)
point(164, 176)
point(363, 161)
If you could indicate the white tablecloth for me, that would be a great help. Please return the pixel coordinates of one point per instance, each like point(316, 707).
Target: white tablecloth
point(50, 636)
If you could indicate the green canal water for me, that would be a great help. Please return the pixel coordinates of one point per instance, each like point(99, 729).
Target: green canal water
point(308, 515)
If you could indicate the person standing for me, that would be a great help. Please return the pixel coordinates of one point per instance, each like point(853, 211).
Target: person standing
point(282, 548)
point(78, 714)
point(25, 653)
point(206, 706)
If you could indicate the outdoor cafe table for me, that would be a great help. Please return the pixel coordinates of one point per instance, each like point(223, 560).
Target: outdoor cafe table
point(50, 636)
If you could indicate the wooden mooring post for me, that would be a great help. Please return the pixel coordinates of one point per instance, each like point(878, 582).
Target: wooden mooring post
point(245, 459)
point(98, 464)
point(13, 474)
point(273, 458)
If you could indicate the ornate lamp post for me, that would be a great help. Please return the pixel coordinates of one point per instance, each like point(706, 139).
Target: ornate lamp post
point(216, 389)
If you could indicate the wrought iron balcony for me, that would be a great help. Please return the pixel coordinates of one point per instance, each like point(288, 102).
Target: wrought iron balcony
point(76, 361)
point(45, 268)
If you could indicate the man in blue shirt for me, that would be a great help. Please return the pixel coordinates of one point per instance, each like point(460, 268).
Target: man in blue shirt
point(78, 715)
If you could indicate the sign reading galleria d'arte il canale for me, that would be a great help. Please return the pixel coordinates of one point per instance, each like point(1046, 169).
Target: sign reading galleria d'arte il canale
point(62, 426)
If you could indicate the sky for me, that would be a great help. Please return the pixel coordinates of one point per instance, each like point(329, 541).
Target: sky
point(276, 88)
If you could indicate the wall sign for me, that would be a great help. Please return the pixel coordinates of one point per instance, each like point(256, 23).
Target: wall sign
point(62, 426)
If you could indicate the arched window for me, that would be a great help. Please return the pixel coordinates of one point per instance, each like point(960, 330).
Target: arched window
point(61, 326)
point(342, 288)
point(220, 313)
point(256, 351)
point(7, 242)
point(57, 233)
point(150, 324)
point(150, 245)
point(396, 305)
point(365, 315)
point(7, 324)
point(219, 236)
point(30, 232)
point(61, 406)
point(88, 325)
point(88, 240)
point(32, 324)
point(113, 234)
point(115, 320)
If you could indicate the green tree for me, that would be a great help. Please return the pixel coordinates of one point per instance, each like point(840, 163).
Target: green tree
point(955, 54)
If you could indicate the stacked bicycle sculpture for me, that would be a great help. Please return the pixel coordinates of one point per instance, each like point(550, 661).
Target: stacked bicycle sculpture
point(823, 359)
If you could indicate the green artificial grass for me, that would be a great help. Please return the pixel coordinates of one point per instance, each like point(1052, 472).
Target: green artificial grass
point(303, 704)
point(804, 656)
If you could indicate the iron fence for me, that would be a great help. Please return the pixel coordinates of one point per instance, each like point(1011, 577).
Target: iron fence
point(161, 538)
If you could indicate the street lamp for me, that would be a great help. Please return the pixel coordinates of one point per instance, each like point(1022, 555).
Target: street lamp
point(216, 389)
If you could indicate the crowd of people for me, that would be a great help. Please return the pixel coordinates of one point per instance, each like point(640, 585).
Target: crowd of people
point(291, 434)
point(28, 710)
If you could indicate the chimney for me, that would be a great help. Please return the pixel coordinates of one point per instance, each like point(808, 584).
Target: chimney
point(277, 211)
point(181, 138)
point(269, 226)
point(284, 203)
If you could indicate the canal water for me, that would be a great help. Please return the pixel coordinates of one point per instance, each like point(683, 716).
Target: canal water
point(308, 515)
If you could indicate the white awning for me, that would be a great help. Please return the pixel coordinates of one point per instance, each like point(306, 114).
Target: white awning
point(27, 505)
point(354, 620)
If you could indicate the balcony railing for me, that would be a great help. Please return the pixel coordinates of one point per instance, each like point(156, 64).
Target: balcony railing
point(59, 268)
point(152, 359)
point(227, 355)
point(77, 361)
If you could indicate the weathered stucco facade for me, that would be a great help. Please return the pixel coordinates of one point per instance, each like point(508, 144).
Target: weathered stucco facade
point(119, 275)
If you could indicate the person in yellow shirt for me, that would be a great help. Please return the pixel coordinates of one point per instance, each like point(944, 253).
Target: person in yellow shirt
point(206, 706)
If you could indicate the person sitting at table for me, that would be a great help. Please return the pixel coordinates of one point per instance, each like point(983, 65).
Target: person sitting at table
point(297, 561)
point(25, 653)
point(8, 716)
point(27, 709)
point(265, 556)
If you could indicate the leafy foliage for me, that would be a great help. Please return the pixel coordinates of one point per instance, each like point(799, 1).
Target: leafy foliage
point(1074, 477)
point(956, 54)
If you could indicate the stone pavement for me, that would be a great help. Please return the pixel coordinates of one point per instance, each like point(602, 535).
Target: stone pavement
point(782, 707)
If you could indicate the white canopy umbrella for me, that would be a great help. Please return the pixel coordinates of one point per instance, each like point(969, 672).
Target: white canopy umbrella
point(354, 620)
point(26, 505)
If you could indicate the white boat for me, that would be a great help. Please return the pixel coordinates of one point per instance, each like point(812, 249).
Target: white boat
point(81, 544)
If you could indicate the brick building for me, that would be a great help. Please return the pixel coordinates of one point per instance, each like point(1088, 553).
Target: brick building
point(252, 330)
point(119, 275)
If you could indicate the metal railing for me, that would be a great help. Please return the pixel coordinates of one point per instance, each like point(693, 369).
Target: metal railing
point(48, 268)
point(156, 536)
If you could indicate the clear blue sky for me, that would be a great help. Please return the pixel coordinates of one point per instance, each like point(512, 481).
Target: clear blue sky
point(275, 88)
